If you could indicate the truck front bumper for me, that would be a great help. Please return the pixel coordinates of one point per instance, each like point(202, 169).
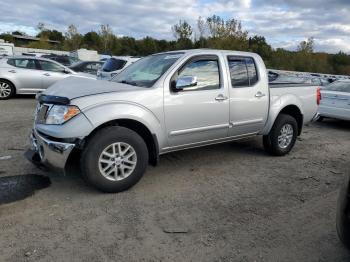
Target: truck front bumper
point(51, 154)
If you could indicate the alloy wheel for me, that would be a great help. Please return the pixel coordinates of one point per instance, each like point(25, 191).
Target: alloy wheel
point(5, 90)
point(117, 161)
point(286, 135)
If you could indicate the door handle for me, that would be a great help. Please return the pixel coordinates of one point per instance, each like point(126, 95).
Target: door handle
point(221, 98)
point(46, 74)
point(259, 94)
point(12, 71)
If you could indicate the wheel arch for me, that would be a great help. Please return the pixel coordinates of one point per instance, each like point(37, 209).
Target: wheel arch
point(289, 109)
point(138, 127)
point(295, 112)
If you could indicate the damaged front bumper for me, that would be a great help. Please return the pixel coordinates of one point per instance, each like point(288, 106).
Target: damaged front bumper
point(51, 154)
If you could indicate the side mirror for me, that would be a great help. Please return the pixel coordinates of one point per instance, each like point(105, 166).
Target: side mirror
point(184, 82)
point(66, 71)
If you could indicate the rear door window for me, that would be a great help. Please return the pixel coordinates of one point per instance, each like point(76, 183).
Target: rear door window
point(243, 71)
point(23, 63)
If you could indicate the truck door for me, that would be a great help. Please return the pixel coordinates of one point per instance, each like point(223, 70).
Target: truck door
point(198, 112)
point(249, 97)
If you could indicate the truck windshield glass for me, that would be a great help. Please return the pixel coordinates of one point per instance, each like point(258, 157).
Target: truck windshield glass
point(145, 72)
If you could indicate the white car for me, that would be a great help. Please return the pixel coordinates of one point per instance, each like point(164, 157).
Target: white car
point(335, 101)
point(31, 75)
point(114, 65)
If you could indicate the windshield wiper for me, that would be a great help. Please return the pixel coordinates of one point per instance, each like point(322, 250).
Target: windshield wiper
point(128, 82)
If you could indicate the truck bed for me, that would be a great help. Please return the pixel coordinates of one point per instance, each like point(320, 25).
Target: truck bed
point(302, 94)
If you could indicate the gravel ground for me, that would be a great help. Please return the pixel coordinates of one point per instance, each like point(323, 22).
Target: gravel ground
point(229, 202)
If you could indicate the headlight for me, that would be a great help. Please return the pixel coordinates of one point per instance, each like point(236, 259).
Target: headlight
point(60, 114)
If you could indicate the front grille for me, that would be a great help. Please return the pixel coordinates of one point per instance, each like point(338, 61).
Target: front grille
point(41, 113)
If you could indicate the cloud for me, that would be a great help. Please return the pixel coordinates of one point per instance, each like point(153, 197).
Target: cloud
point(283, 22)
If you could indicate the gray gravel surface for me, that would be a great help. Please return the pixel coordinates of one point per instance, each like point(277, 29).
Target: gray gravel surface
point(228, 202)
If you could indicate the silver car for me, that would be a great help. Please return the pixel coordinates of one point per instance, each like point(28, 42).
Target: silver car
point(115, 65)
point(335, 101)
point(30, 75)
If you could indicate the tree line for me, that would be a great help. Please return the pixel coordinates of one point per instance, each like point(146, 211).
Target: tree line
point(211, 32)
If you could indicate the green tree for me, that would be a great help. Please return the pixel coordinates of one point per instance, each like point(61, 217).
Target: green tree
point(306, 46)
point(182, 30)
point(106, 37)
point(17, 32)
point(51, 35)
point(183, 33)
point(202, 29)
point(41, 44)
point(73, 38)
point(258, 44)
point(147, 46)
point(92, 40)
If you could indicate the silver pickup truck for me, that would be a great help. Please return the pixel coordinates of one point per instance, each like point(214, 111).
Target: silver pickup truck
point(162, 103)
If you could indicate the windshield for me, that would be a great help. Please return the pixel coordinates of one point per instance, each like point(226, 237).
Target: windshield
point(146, 71)
point(113, 64)
point(339, 87)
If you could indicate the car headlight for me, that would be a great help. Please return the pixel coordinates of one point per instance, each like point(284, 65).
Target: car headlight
point(60, 114)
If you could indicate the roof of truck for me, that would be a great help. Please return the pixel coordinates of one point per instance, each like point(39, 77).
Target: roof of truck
point(205, 50)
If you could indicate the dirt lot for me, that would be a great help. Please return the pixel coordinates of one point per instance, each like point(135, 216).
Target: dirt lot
point(229, 202)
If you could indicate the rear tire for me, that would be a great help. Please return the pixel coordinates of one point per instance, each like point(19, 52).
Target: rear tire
point(114, 159)
point(7, 90)
point(282, 136)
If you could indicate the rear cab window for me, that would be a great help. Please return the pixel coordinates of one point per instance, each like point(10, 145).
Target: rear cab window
point(243, 71)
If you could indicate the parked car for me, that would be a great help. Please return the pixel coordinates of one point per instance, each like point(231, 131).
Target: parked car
point(335, 101)
point(114, 65)
point(62, 59)
point(320, 81)
point(343, 213)
point(36, 54)
point(30, 75)
point(89, 67)
point(163, 103)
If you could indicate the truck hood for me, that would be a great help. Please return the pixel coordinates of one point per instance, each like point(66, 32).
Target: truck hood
point(74, 87)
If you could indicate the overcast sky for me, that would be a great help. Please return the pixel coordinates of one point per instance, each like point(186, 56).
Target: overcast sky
point(284, 23)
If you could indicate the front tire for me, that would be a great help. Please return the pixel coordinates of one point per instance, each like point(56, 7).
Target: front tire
point(282, 136)
point(114, 159)
point(7, 90)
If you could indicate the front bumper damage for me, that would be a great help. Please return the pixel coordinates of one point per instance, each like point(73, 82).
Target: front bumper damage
point(51, 154)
